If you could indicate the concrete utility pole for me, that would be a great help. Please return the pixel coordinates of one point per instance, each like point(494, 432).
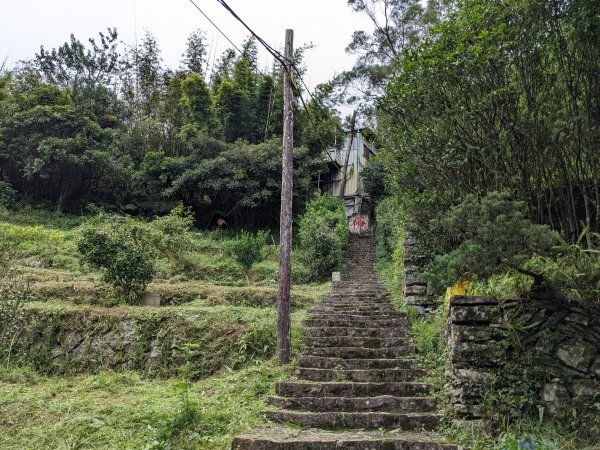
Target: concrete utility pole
point(285, 221)
point(348, 150)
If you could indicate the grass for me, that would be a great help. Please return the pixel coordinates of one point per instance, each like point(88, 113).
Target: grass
point(229, 321)
point(47, 251)
point(124, 411)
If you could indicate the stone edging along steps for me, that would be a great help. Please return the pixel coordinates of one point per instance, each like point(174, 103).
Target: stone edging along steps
point(354, 387)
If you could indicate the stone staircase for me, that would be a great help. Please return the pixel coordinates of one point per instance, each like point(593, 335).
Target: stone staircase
point(355, 386)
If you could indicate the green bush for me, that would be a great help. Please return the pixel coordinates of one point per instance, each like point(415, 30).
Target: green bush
point(373, 180)
point(174, 233)
point(125, 250)
point(323, 236)
point(389, 224)
point(247, 249)
point(481, 237)
point(574, 273)
point(7, 194)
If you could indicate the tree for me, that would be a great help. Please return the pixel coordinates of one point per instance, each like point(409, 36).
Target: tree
point(500, 98)
point(194, 57)
point(398, 24)
point(73, 66)
point(237, 180)
point(50, 150)
point(196, 102)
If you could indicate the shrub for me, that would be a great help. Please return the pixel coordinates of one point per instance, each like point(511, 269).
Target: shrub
point(323, 236)
point(373, 179)
point(574, 273)
point(7, 194)
point(388, 227)
point(482, 237)
point(125, 250)
point(173, 232)
point(247, 249)
point(14, 292)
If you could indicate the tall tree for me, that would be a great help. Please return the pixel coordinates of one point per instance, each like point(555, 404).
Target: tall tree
point(397, 24)
point(194, 56)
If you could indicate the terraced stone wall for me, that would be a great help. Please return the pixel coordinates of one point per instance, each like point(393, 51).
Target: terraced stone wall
point(152, 341)
point(532, 353)
point(415, 289)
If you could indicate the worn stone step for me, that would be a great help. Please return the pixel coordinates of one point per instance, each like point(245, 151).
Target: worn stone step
point(358, 332)
point(360, 352)
point(286, 439)
point(355, 341)
point(359, 375)
point(347, 389)
point(351, 300)
point(384, 403)
point(349, 304)
point(356, 302)
point(352, 294)
point(356, 316)
point(357, 420)
point(357, 323)
point(317, 362)
point(349, 308)
point(344, 314)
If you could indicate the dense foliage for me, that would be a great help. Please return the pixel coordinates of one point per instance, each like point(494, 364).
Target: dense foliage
point(99, 124)
point(247, 249)
point(323, 236)
point(482, 237)
point(500, 97)
point(125, 251)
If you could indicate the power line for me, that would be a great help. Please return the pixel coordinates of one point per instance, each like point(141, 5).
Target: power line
point(282, 60)
point(278, 57)
point(276, 54)
point(215, 25)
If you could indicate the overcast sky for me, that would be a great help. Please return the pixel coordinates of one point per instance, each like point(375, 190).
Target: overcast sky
point(328, 24)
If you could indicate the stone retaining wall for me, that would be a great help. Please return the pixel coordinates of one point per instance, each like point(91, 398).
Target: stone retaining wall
point(415, 289)
point(536, 350)
point(151, 341)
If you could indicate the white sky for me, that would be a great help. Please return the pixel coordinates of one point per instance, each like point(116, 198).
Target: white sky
point(27, 24)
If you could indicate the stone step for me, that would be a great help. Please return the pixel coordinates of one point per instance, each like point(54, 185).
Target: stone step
point(286, 439)
point(354, 294)
point(353, 303)
point(359, 375)
point(356, 316)
point(386, 403)
point(365, 301)
point(317, 362)
point(347, 389)
point(344, 313)
point(354, 298)
point(358, 332)
point(357, 420)
point(355, 341)
point(359, 352)
point(346, 308)
point(357, 323)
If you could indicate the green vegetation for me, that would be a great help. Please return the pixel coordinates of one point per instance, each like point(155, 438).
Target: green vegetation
point(96, 124)
point(497, 217)
point(123, 410)
point(248, 249)
point(482, 237)
point(211, 342)
point(323, 234)
point(124, 251)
